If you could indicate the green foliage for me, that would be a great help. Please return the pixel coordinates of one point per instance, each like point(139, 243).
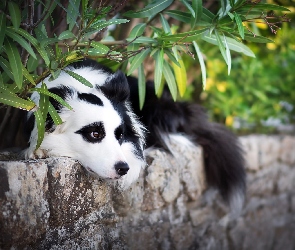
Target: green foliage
point(258, 90)
point(33, 48)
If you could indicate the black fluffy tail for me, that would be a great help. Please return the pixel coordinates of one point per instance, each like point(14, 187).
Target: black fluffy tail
point(224, 163)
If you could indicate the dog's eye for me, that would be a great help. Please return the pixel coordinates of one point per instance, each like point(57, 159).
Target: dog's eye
point(119, 134)
point(93, 132)
point(97, 135)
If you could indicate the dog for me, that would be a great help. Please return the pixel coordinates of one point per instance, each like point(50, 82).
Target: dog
point(108, 133)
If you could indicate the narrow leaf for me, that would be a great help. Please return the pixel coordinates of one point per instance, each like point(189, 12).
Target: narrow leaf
point(73, 13)
point(265, 7)
point(165, 25)
point(184, 37)
point(137, 30)
point(15, 14)
point(198, 8)
point(189, 7)
point(228, 56)
point(66, 35)
point(54, 115)
point(40, 126)
point(2, 28)
point(150, 10)
point(27, 75)
point(141, 85)
point(14, 61)
point(25, 34)
point(137, 60)
point(99, 46)
point(172, 57)
point(79, 78)
point(221, 46)
point(232, 44)
point(180, 76)
point(141, 40)
point(168, 74)
point(103, 24)
point(44, 102)
point(179, 15)
point(159, 59)
point(6, 67)
point(9, 98)
point(240, 25)
point(22, 42)
point(202, 63)
point(54, 96)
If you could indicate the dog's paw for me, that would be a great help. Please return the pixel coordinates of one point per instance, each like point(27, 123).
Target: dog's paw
point(35, 154)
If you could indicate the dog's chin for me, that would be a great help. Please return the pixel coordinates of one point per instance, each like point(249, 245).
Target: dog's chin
point(108, 178)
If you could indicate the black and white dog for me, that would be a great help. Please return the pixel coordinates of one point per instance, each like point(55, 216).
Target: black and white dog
point(106, 130)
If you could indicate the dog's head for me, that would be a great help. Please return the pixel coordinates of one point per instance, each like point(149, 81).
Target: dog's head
point(101, 131)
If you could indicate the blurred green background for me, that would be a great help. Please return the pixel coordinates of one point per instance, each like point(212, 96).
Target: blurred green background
point(259, 94)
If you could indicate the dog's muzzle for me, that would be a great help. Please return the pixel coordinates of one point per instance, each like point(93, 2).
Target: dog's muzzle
point(121, 168)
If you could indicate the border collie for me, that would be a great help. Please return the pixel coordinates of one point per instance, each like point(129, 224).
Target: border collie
point(104, 133)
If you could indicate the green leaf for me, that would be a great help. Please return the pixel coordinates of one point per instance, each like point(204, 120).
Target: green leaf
point(73, 13)
point(150, 10)
point(228, 56)
point(256, 39)
point(179, 15)
point(14, 61)
point(6, 67)
point(27, 75)
point(141, 85)
point(95, 27)
point(202, 63)
point(99, 46)
point(264, 7)
point(232, 44)
point(172, 57)
point(40, 126)
point(15, 14)
point(221, 46)
point(34, 42)
point(198, 8)
point(137, 30)
point(54, 96)
point(54, 115)
point(79, 78)
point(44, 102)
point(168, 74)
point(240, 25)
point(159, 59)
point(9, 98)
point(180, 76)
point(24, 34)
point(48, 41)
point(189, 7)
point(137, 60)
point(2, 28)
point(54, 74)
point(165, 24)
point(141, 40)
point(32, 64)
point(184, 37)
point(66, 35)
point(22, 42)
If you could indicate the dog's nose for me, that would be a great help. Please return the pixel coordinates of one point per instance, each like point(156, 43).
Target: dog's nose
point(121, 168)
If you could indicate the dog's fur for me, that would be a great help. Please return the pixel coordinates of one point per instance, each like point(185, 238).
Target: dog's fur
point(103, 131)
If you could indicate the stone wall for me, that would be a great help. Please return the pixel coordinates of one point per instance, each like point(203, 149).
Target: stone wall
point(54, 204)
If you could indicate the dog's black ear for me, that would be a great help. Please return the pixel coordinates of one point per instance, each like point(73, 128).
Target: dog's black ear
point(116, 87)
